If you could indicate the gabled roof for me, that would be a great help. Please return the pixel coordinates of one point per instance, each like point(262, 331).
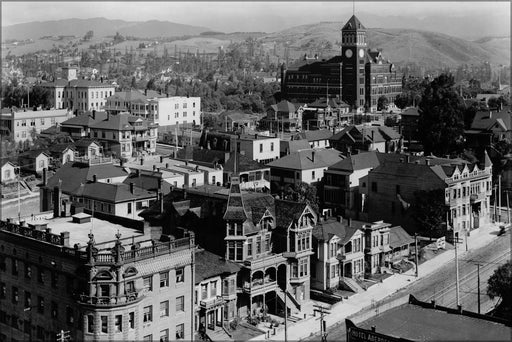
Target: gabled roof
point(143, 181)
point(209, 265)
point(379, 133)
point(323, 103)
point(288, 212)
point(85, 120)
point(353, 24)
point(72, 174)
point(244, 163)
point(120, 122)
point(34, 153)
point(358, 161)
point(290, 146)
point(284, 107)
point(303, 159)
point(86, 142)
point(492, 120)
point(113, 193)
point(398, 237)
point(4, 161)
point(325, 230)
point(59, 148)
point(322, 134)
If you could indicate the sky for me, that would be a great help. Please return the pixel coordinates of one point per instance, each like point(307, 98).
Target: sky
point(232, 16)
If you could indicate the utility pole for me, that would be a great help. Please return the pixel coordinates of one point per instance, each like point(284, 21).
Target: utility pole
point(478, 284)
point(495, 198)
point(456, 241)
point(499, 197)
point(19, 196)
point(508, 208)
point(416, 252)
point(323, 323)
point(285, 314)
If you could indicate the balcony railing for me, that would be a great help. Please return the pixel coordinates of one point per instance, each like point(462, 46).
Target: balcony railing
point(94, 160)
point(470, 176)
point(211, 303)
point(265, 261)
point(258, 285)
point(109, 300)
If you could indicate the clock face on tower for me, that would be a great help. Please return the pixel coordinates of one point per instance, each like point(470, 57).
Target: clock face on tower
point(361, 53)
point(348, 53)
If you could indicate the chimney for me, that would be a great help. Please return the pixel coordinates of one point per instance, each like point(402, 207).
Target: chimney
point(64, 238)
point(459, 308)
point(137, 172)
point(94, 114)
point(490, 114)
point(372, 134)
point(184, 193)
point(161, 159)
point(145, 92)
point(57, 193)
point(166, 165)
point(313, 156)
point(154, 167)
point(122, 162)
point(45, 176)
point(339, 218)
point(427, 162)
point(408, 159)
point(186, 162)
point(94, 178)
point(349, 222)
point(433, 304)
point(373, 328)
point(255, 136)
point(141, 161)
point(166, 94)
point(132, 188)
point(157, 169)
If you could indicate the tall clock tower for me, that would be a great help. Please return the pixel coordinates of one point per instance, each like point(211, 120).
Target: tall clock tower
point(353, 54)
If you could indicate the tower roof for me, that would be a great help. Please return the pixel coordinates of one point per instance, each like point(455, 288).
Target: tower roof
point(235, 208)
point(353, 24)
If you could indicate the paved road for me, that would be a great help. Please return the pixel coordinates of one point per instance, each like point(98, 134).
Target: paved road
point(440, 285)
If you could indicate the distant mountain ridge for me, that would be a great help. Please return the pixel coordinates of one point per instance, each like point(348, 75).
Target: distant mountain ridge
point(101, 26)
point(401, 45)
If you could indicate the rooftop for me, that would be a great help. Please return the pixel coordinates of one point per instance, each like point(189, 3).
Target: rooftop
point(322, 134)
point(104, 231)
point(308, 159)
point(418, 323)
point(208, 265)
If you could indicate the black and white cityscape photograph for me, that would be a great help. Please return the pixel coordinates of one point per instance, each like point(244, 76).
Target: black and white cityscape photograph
point(255, 171)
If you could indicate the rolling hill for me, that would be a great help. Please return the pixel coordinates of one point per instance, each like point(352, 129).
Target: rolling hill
point(101, 26)
point(400, 45)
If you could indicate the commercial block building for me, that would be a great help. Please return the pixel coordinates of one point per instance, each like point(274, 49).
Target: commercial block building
point(97, 286)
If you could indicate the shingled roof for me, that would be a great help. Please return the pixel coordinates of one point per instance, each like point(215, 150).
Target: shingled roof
point(72, 174)
point(288, 212)
point(353, 24)
point(235, 210)
point(398, 237)
point(208, 265)
point(324, 231)
point(322, 134)
point(284, 107)
point(85, 119)
point(113, 193)
point(303, 159)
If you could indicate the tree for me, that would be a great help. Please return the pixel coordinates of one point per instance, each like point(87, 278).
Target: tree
point(304, 193)
point(401, 101)
point(40, 96)
point(382, 103)
point(441, 123)
point(89, 35)
point(429, 211)
point(500, 283)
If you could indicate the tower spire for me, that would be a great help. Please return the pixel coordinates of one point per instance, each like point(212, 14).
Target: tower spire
point(353, 7)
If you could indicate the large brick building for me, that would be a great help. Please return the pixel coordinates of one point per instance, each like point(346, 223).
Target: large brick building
point(359, 75)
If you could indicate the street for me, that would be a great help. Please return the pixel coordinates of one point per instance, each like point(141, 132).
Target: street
point(440, 285)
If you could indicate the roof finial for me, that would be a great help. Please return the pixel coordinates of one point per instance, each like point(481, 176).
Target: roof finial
point(353, 7)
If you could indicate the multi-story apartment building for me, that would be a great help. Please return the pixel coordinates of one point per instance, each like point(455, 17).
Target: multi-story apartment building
point(78, 94)
point(23, 124)
point(94, 285)
point(466, 188)
point(272, 251)
point(325, 113)
point(353, 139)
point(376, 246)
point(165, 111)
point(283, 117)
point(260, 148)
point(339, 254)
point(316, 139)
point(215, 297)
point(306, 166)
point(122, 134)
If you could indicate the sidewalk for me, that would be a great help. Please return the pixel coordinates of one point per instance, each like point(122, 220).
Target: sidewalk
point(311, 325)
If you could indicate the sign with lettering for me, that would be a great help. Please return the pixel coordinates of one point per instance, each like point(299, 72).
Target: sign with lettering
point(355, 334)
